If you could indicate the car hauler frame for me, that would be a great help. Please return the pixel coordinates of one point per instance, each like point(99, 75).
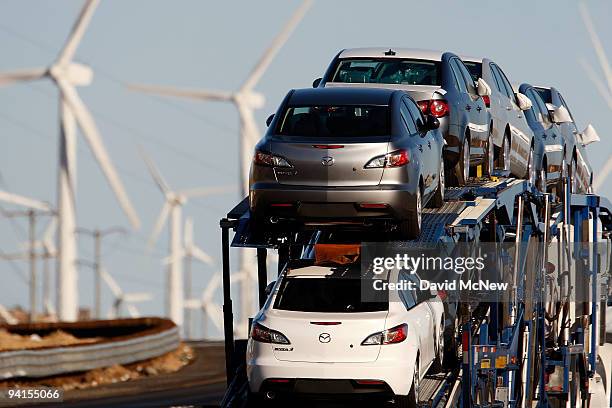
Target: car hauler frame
point(505, 358)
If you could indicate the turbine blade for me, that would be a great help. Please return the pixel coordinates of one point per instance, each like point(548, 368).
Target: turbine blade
point(161, 220)
point(137, 297)
point(24, 201)
point(78, 30)
point(206, 191)
point(202, 256)
point(602, 175)
point(276, 45)
point(111, 282)
point(91, 134)
point(211, 288)
point(597, 46)
point(132, 311)
point(155, 173)
point(9, 77)
point(181, 92)
point(599, 85)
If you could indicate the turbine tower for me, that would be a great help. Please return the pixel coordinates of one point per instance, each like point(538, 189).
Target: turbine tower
point(66, 75)
point(604, 87)
point(173, 206)
point(246, 100)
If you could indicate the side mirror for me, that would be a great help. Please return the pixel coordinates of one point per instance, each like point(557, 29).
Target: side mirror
point(588, 135)
point(316, 82)
point(483, 88)
point(269, 120)
point(431, 122)
point(560, 114)
point(269, 288)
point(524, 102)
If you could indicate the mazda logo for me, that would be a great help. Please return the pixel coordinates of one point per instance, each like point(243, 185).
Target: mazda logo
point(327, 161)
point(324, 337)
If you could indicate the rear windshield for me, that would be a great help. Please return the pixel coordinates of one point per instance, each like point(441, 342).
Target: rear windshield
point(326, 295)
point(475, 69)
point(335, 121)
point(388, 71)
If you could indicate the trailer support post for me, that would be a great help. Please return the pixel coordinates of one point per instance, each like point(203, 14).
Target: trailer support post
point(228, 314)
point(262, 275)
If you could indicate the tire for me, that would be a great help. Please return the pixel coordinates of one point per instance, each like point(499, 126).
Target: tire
point(573, 179)
point(489, 164)
point(531, 169)
point(561, 181)
point(438, 363)
point(541, 182)
point(410, 400)
point(463, 166)
point(504, 154)
point(438, 198)
point(411, 228)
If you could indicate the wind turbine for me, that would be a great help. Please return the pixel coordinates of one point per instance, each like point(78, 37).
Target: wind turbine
point(604, 87)
point(246, 100)
point(66, 75)
point(191, 252)
point(173, 205)
point(122, 298)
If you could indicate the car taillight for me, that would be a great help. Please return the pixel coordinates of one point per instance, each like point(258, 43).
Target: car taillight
point(264, 335)
point(393, 335)
point(438, 108)
point(424, 106)
point(435, 107)
point(487, 100)
point(394, 159)
point(269, 160)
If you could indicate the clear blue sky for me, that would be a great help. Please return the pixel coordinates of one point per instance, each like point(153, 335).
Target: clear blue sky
point(213, 44)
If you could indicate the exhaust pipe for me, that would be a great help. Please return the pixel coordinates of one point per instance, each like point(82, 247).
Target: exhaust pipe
point(270, 395)
point(274, 220)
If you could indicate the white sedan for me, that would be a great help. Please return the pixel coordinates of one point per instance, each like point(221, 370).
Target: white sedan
point(317, 336)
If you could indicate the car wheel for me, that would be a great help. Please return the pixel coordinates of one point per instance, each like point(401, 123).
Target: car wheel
point(410, 400)
point(438, 363)
point(490, 157)
point(411, 228)
point(463, 166)
point(573, 177)
point(531, 169)
point(438, 199)
point(504, 154)
point(561, 181)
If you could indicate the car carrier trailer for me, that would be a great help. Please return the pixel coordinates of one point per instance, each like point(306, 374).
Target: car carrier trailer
point(504, 357)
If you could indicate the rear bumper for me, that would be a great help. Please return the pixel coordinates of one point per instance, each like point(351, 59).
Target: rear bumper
point(321, 389)
point(316, 203)
point(331, 378)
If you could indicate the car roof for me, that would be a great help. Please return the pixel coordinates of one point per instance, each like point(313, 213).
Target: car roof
point(399, 53)
point(341, 96)
point(467, 58)
point(317, 271)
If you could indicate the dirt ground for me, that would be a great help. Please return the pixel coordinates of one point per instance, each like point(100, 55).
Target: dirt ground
point(167, 363)
point(11, 341)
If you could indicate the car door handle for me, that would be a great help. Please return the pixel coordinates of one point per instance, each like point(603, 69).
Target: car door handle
point(519, 116)
point(508, 108)
point(468, 107)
